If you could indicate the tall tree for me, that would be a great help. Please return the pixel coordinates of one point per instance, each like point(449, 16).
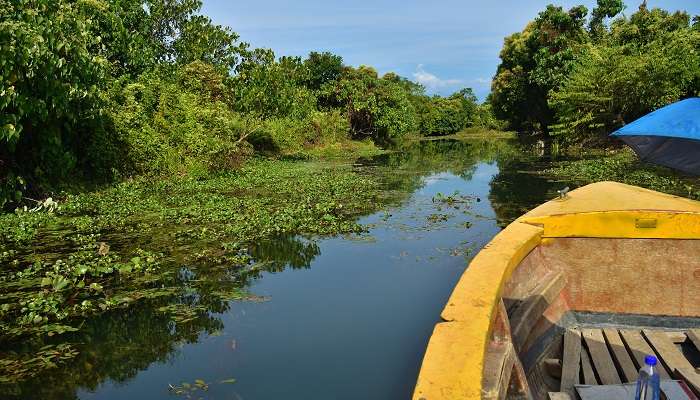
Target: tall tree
point(323, 68)
point(604, 9)
point(201, 40)
point(647, 61)
point(468, 106)
point(535, 62)
point(378, 108)
point(266, 87)
point(646, 26)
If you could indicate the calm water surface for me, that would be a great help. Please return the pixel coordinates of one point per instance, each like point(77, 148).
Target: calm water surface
point(343, 317)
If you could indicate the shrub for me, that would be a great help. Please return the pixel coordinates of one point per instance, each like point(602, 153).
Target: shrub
point(176, 126)
point(611, 86)
point(289, 135)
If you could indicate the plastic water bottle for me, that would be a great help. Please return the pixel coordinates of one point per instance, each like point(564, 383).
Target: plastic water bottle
point(648, 383)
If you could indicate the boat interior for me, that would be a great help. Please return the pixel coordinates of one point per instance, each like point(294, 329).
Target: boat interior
point(579, 315)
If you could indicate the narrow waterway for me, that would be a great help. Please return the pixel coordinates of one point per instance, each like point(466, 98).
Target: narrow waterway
point(344, 317)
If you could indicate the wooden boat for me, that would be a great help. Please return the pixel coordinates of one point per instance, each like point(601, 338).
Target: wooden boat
point(574, 292)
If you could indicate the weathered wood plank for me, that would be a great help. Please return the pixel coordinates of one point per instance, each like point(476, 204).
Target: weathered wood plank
point(600, 356)
point(676, 336)
point(619, 352)
point(552, 366)
point(587, 368)
point(498, 366)
point(691, 378)
point(501, 326)
point(559, 396)
point(570, 361)
point(519, 386)
point(694, 336)
point(639, 349)
point(525, 317)
point(671, 356)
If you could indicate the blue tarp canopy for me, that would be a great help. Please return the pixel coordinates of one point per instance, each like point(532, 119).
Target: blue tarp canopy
point(669, 136)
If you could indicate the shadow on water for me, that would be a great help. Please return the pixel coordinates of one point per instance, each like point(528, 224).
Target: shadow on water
point(342, 317)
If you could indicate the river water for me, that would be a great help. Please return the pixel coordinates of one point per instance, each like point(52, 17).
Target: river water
point(344, 317)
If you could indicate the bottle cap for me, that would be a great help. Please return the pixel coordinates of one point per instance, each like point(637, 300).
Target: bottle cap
point(650, 360)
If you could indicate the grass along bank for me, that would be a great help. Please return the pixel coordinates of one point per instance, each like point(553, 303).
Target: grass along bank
point(145, 240)
point(482, 133)
point(624, 166)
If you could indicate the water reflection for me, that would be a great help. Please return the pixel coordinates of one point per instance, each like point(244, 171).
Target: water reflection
point(405, 168)
point(116, 347)
point(285, 252)
point(517, 188)
point(349, 317)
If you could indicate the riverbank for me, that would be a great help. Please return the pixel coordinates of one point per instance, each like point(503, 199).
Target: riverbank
point(219, 309)
point(114, 248)
point(342, 149)
point(622, 165)
point(474, 133)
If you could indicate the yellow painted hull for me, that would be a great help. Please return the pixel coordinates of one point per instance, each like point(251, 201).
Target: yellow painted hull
point(596, 239)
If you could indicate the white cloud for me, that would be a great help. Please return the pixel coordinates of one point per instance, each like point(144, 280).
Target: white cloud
point(431, 81)
point(482, 81)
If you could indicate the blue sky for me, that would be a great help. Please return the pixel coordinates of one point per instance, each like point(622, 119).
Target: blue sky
point(445, 45)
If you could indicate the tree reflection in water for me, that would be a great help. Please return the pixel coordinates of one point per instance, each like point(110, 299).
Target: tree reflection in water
point(117, 345)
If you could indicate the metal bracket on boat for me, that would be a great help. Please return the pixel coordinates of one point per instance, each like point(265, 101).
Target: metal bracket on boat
point(645, 223)
point(563, 194)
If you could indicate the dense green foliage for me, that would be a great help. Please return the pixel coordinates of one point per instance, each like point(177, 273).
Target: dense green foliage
point(445, 116)
point(72, 69)
point(557, 77)
point(436, 115)
point(374, 106)
point(52, 67)
point(97, 90)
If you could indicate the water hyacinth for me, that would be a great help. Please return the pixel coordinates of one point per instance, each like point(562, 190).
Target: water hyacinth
point(141, 241)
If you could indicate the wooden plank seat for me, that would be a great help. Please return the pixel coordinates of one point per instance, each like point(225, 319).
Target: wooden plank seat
point(639, 349)
point(571, 361)
point(600, 356)
point(612, 357)
point(622, 357)
point(670, 356)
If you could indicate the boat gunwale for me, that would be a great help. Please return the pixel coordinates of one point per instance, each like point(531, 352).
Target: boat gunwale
point(453, 363)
